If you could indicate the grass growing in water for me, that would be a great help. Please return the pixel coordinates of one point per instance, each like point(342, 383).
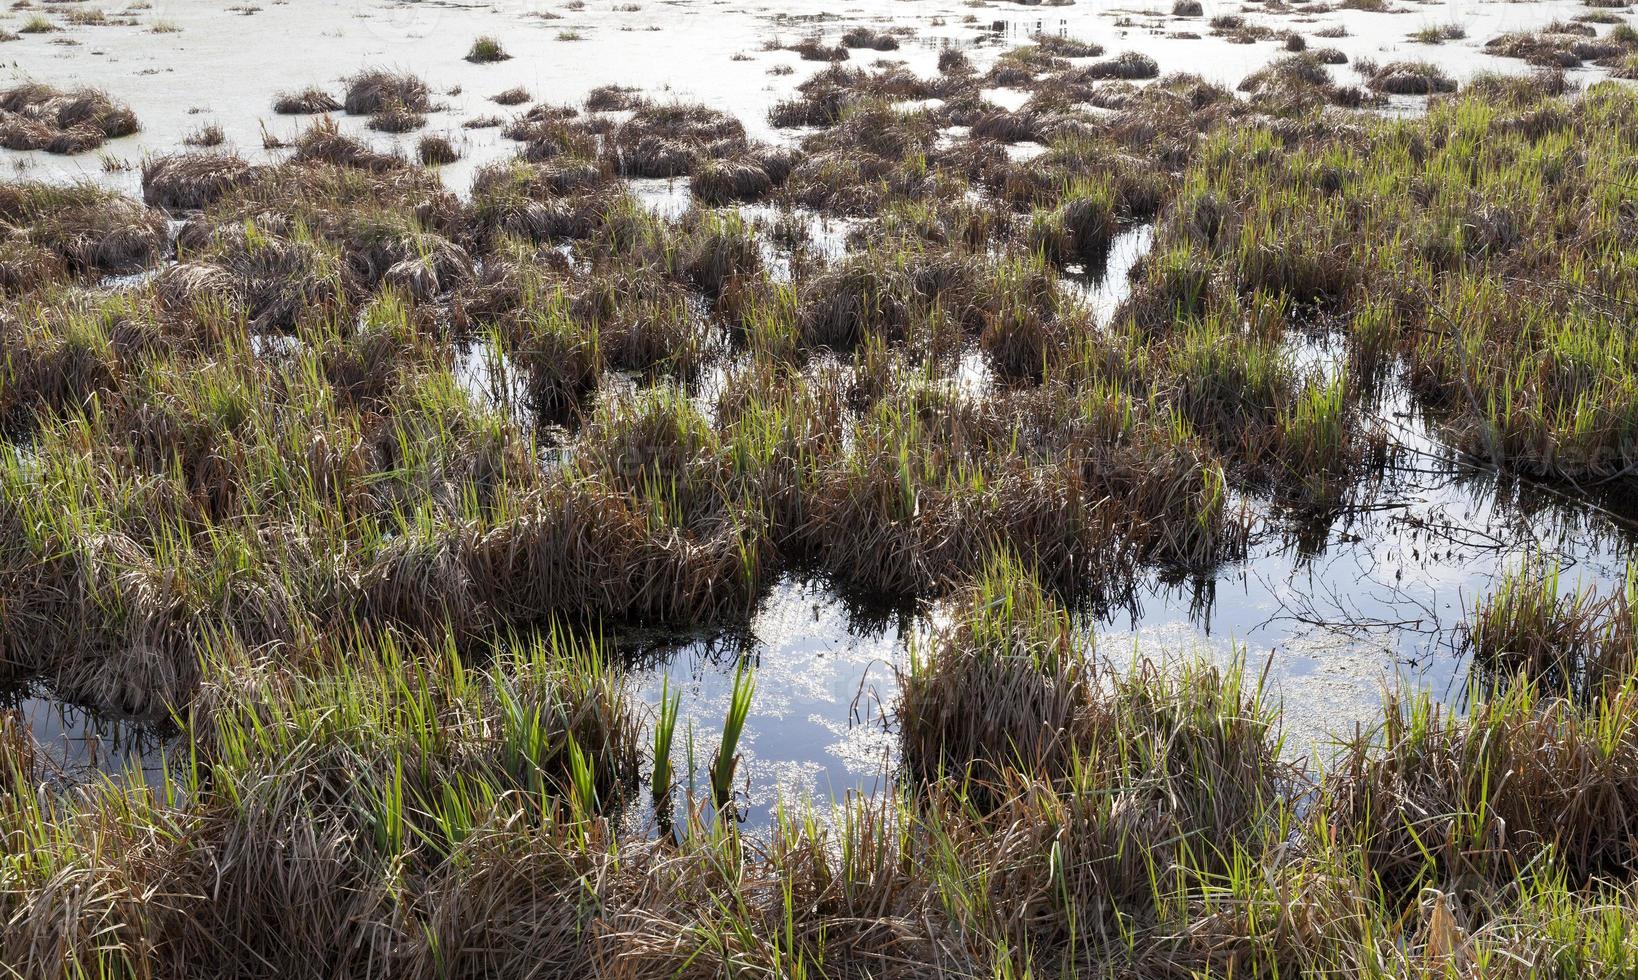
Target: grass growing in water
point(486, 50)
point(394, 766)
point(733, 726)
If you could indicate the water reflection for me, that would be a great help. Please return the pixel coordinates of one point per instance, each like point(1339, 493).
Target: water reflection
point(74, 745)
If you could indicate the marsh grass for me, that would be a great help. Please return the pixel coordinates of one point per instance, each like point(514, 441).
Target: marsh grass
point(396, 117)
point(733, 728)
point(453, 816)
point(305, 102)
point(376, 90)
point(864, 37)
point(1410, 78)
point(512, 96)
point(1572, 642)
point(486, 50)
point(34, 116)
point(665, 730)
point(191, 180)
point(436, 151)
point(259, 496)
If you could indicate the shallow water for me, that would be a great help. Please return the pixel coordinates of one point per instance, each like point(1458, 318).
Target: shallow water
point(224, 67)
point(1337, 610)
point(76, 746)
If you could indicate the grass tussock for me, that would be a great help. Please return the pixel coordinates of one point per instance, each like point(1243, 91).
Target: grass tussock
point(377, 90)
point(92, 230)
point(436, 151)
point(864, 37)
point(486, 50)
point(191, 181)
point(1410, 78)
point(396, 117)
point(34, 116)
point(670, 140)
point(1572, 642)
point(308, 101)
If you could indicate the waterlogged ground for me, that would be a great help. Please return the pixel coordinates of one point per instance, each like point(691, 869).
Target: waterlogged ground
point(1337, 609)
point(184, 64)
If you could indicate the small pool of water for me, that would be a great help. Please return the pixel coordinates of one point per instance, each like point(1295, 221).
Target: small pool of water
point(74, 745)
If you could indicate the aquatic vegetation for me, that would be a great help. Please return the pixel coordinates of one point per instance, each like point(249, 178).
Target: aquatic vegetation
point(376, 90)
point(324, 142)
point(512, 96)
point(486, 50)
point(1572, 642)
point(190, 181)
point(308, 101)
point(436, 150)
point(671, 139)
point(721, 182)
point(1552, 775)
point(665, 730)
point(733, 727)
point(1440, 33)
point(864, 37)
point(815, 49)
point(609, 98)
point(38, 117)
point(90, 229)
point(1127, 65)
point(396, 117)
point(1410, 78)
point(207, 135)
point(342, 481)
point(463, 816)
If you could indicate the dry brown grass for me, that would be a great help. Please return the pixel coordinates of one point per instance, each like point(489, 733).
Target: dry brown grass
point(325, 142)
point(375, 90)
point(308, 101)
point(396, 117)
point(1431, 800)
point(92, 230)
point(669, 139)
point(1410, 78)
point(720, 182)
point(191, 181)
point(34, 116)
point(436, 151)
